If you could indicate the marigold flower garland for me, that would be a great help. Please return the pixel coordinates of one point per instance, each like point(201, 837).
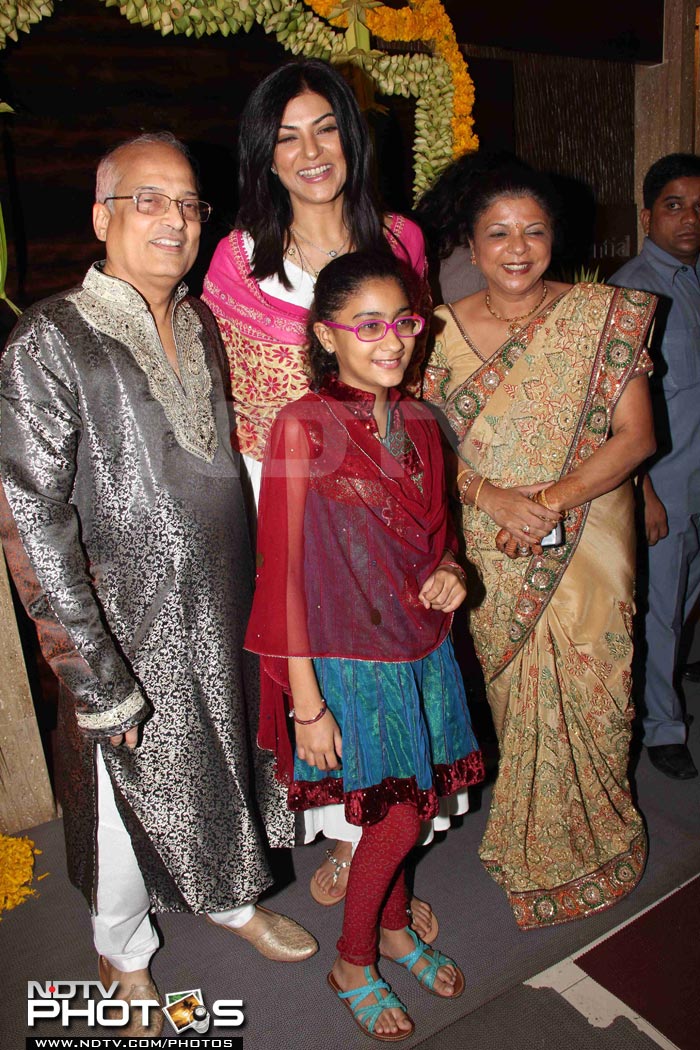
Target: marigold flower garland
point(424, 20)
point(16, 871)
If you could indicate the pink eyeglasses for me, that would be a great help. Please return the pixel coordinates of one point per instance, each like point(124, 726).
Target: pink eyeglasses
point(372, 331)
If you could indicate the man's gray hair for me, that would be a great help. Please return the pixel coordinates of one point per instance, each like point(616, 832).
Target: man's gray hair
point(108, 170)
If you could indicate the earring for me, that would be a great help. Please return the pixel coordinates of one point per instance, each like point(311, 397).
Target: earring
point(473, 258)
point(329, 349)
point(273, 169)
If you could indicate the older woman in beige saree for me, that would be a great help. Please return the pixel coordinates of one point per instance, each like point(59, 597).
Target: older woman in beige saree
point(550, 409)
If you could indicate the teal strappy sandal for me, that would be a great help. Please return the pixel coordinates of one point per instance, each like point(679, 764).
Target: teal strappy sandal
point(434, 960)
point(365, 1017)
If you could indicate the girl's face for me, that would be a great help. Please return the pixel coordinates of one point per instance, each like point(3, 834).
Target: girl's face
point(376, 366)
point(308, 157)
point(513, 245)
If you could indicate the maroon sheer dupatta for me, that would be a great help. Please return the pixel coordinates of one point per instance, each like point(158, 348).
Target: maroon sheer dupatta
point(348, 532)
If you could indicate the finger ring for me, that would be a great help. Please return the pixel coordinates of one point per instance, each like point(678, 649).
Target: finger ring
point(526, 529)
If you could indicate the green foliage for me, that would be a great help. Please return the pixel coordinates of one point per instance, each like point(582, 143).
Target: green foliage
point(3, 266)
point(4, 108)
point(577, 274)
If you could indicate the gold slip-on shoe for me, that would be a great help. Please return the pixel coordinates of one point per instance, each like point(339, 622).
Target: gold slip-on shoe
point(274, 936)
point(128, 992)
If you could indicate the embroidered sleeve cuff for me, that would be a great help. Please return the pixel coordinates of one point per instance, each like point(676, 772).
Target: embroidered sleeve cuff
point(117, 719)
point(435, 380)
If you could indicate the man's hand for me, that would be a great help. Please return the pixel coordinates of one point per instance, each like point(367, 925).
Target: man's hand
point(130, 738)
point(655, 520)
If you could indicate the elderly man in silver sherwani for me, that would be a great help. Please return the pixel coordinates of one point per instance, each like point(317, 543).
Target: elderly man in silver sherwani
point(124, 527)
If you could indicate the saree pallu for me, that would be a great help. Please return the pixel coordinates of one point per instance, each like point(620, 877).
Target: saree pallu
point(553, 633)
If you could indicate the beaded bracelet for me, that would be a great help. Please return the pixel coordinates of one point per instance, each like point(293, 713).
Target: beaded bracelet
point(309, 721)
point(470, 475)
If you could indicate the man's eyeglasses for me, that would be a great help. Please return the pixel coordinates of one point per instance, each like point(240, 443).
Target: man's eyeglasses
point(373, 331)
point(156, 204)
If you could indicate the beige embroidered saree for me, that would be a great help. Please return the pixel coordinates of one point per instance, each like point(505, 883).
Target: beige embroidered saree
point(553, 633)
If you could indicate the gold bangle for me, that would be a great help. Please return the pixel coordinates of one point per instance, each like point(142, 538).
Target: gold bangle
point(541, 498)
point(477, 493)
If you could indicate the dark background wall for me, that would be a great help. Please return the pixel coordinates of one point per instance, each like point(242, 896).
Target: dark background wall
point(628, 30)
point(82, 81)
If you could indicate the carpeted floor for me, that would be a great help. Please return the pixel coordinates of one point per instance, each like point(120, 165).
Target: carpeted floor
point(49, 937)
point(534, 1019)
point(653, 964)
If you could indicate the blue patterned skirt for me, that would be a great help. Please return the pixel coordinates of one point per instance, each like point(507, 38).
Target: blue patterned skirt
point(407, 737)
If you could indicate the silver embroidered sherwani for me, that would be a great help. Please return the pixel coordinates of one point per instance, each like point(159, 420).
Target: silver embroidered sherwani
point(125, 530)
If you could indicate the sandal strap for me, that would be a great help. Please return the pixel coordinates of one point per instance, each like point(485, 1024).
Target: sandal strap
point(413, 956)
point(433, 958)
point(338, 866)
point(373, 985)
point(410, 960)
point(368, 1015)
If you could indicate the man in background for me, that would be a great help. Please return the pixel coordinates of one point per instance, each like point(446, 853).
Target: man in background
point(668, 265)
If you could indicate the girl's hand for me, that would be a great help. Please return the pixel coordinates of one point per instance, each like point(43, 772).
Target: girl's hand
point(444, 589)
point(320, 744)
point(527, 522)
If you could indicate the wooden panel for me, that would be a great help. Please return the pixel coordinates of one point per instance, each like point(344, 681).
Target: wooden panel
point(666, 107)
point(574, 118)
point(25, 792)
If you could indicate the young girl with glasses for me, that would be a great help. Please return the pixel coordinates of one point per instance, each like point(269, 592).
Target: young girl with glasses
point(357, 583)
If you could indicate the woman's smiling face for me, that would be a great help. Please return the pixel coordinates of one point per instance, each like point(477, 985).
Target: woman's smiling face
point(308, 157)
point(513, 245)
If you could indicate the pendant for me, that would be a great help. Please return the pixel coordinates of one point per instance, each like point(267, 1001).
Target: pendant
point(332, 254)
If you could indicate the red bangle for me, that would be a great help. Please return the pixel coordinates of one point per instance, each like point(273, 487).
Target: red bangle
point(309, 721)
point(453, 565)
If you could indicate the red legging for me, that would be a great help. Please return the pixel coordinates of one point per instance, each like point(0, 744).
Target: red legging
point(377, 894)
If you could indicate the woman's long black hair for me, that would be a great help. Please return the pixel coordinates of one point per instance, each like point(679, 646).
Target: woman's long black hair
point(265, 209)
